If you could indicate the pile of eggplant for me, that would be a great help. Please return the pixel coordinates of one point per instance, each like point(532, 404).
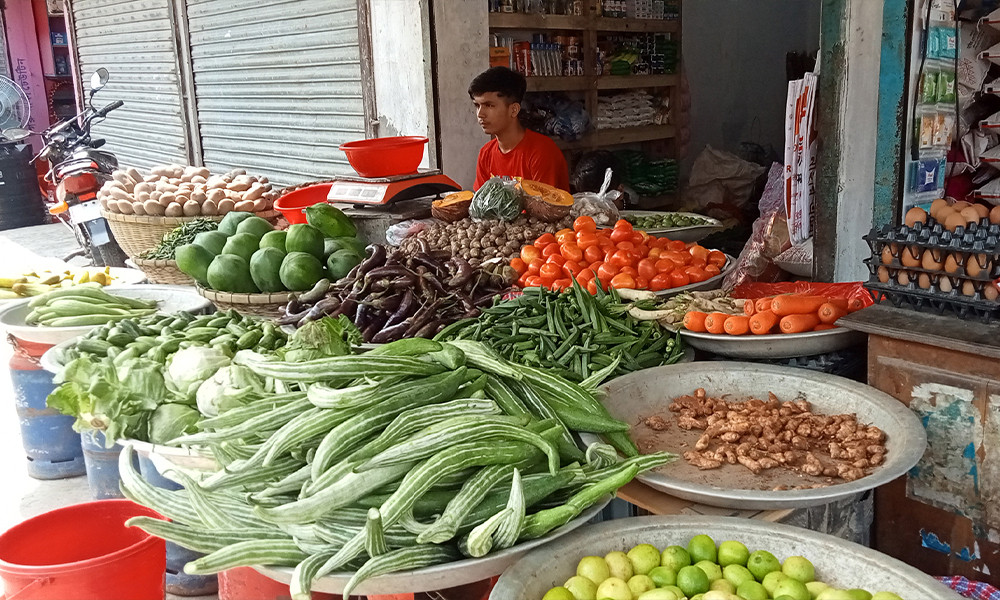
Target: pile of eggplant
point(392, 295)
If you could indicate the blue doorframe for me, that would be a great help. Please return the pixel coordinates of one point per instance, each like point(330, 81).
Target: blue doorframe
point(892, 108)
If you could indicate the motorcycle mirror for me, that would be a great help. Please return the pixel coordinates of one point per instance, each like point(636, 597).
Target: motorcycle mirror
point(15, 134)
point(98, 80)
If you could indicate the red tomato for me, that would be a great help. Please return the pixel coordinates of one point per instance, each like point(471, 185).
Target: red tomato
point(679, 278)
point(519, 266)
point(665, 265)
point(550, 271)
point(698, 261)
point(716, 258)
point(625, 246)
point(621, 258)
point(556, 259)
point(533, 281)
point(696, 274)
point(641, 283)
point(593, 254)
point(654, 253)
point(550, 249)
point(712, 270)
point(676, 245)
point(522, 281)
point(623, 280)
point(629, 271)
point(595, 266)
point(585, 276)
point(639, 237)
point(535, 265)
point(586, 239)
point(642, 250)
point(623, 225)
point(646, 268)
point(584, 223)
point(571, 268)
point(545, 239)
point(621, 235)
point(606, 272)
point(699, 252)
point(592, 287)
point(678, 258)
point(561, 284)
point(606, 244)
point(563, 234)
point(570, 251)
point(528, 253)
point(660, 282)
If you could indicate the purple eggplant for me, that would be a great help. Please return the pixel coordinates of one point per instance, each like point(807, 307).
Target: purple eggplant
point(463, 272)
point(407, 306)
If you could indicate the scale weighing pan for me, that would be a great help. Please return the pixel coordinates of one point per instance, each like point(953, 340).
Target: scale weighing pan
point(382, 191)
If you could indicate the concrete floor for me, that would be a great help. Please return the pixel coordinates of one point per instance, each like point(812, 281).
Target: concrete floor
point(22, 497)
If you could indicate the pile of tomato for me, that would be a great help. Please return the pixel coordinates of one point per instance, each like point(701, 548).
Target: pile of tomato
point(621, 257)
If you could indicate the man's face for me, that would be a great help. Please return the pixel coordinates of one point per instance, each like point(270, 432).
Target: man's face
point(494, 113)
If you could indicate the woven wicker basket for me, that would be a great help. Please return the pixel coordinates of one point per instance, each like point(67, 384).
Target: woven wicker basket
point(261, 305)
point(136, 234)
point(162, 271)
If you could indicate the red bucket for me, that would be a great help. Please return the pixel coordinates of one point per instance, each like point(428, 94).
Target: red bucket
point(293, 205)
point(83, 552)
point(385, 157)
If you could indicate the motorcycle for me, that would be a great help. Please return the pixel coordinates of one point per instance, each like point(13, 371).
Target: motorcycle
point(78, 171)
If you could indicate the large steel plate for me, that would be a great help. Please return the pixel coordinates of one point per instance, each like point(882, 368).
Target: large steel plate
point(838, 562)
point(781, 345)
point(638, 395)
point(185, 458)
point(442, 576)
point(691, 233)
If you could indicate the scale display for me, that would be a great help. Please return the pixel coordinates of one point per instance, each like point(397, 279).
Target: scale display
point(358, 192)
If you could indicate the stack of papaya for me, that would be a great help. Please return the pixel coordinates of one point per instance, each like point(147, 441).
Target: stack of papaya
point(246, 254)
point(784, 313)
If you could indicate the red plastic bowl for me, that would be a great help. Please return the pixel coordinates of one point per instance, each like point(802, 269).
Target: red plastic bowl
point(293, 205)
point(385, 157)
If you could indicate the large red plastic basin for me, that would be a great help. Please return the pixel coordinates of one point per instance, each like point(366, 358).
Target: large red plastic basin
point(385, 157)
point(293, 205)
point(83, 552)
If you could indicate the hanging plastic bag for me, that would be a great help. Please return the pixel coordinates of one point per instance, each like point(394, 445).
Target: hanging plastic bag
point(498, 198)
point(395, 234)
point(600, 206)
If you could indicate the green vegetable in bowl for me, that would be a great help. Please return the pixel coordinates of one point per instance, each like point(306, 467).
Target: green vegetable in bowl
point(667, 220)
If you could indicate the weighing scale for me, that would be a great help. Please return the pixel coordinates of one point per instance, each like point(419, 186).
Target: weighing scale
point(370, 192)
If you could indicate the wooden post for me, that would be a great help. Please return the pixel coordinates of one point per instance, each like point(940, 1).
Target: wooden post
point(892, 109)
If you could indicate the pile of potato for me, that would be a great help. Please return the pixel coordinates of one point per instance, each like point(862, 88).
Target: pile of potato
point(185, 191)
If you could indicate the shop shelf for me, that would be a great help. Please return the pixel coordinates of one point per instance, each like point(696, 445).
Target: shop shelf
point(636, 25)
point(558, 84)
point(532, 21)
point(621, 82)
point(612, 137)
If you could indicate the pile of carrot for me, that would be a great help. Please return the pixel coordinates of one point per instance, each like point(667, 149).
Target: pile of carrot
point(787, 313)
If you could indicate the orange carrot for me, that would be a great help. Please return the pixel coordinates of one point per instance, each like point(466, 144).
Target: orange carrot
point(716, 322)
point(737, 325)
point(749, 308)
point(798, 323)
point(824, 327)
point(762, 304)
point(838, 302)
point(796, 305)
point(854, 304)
point(829, 312)
point(694, 320)
point(763, 322)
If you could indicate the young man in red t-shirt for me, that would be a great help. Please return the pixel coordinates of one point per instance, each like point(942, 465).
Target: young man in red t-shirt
point(514, 150)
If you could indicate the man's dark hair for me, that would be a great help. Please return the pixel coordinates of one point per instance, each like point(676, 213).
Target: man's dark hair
point(509, 85)
point(588, 176)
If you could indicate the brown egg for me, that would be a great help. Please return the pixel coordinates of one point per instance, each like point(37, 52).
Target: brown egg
point(995, 215)
point(975, 264)
point(990, 292)
point(943, 213)
point(924, 281)
point(968, 289)
point(970, 214)
point(903, 278)
point(981, 210)
point(887, 256)
point(936, 207)
point(944, 284)
point(950, 264)
point(914, 215)
point(954, 221)
point(961, 205)
point(930, 263)
point(910, 256)
point(883, 274)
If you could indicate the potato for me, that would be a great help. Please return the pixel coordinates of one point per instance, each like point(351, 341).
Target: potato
point(187, 185)
point(105, 204)
point(143, 186)
point(161, 170)
point(134, 175)
point(225, 205)
point(125, 207)
point(174, 210)
point(120, 176)
point(256, 191)
point(216, 195)
point(192, 208)
point(234, 195)
point(259, 204)
point(142, 196)
point(202, 172)
point(209, 208)
point(155, 195)
point(244, 206)
point(198, 179)
point(153, 208)
point(215, 182)
point(199, 196)
point(138, 209)
point(151, 178)
point(167, 198)
point(236, 173)
point(174, 181)
point(119, 194)
point(238, 186)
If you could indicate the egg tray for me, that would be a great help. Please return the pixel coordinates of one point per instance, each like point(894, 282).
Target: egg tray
point(981, 239)
point(930, 301)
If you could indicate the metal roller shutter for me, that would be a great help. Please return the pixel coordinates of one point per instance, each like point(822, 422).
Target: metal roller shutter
point(278, 85)
point(134, 41)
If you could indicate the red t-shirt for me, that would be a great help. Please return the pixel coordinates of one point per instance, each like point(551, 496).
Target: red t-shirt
point(536, 157)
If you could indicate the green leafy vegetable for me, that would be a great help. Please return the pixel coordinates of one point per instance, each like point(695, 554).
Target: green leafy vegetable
point(170, 421)
point(228, 388)
point(188, 368)
point(319, 339)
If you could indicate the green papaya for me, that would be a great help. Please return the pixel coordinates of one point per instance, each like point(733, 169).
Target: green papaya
point(213, 241)
point(304, 238)
point(232, 220)
point(265, 269)
point(242, 245)
point(330, 220)
point(341, 262)
point(344, 243)
point(255, 226)
point(274, 239)
point(193, 260)
point(231, 273)
point(300, 271)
